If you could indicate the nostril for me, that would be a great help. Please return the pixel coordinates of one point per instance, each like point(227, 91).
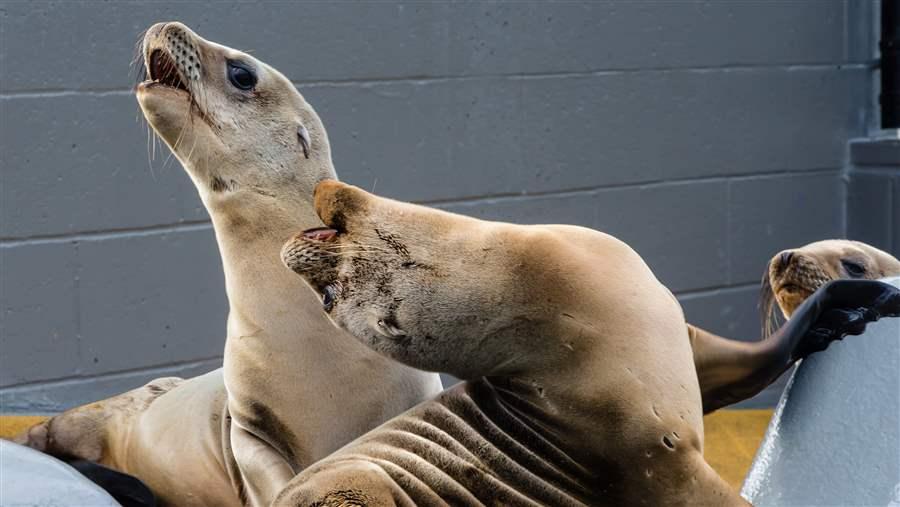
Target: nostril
point(785, 259)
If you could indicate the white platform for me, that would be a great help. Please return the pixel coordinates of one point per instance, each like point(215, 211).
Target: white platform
point(29, 478)
point(834, 438)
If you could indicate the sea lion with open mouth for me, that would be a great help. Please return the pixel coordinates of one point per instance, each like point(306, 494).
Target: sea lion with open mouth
point(581, 383)
point(293, 388)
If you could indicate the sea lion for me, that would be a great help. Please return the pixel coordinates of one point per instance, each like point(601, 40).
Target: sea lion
point(253, 155)
point(293, 387)
point(731, 370)
point(581, 388)
point(793, 274)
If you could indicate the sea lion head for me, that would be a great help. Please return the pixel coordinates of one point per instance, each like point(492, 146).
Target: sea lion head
point(379, 283)
point(236, 124)
point(794, 274)
point(445, 292)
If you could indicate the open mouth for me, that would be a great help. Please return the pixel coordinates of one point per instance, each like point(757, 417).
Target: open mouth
point(320, 234)
point(790, 287)
point(164, 72)
point(794, 288)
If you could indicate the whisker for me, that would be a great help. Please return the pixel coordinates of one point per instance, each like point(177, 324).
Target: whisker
point(767, 305)
point(138, 65)
point(359, 254)
point(150, 142)
point(363, 248)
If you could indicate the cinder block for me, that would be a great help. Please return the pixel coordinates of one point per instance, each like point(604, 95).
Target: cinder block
point(729, 312)
point(869, 208)
point(80, 163)
point(39, 322)
point(150, 299)
point(446, 140)
point(861, 24)
point(679, 229)
point(769, 214)
point(340, 41)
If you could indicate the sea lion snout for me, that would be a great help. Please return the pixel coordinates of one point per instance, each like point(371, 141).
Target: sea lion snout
point(781, 261)
point(794, 271)
point(171, 54)
point(313, 254)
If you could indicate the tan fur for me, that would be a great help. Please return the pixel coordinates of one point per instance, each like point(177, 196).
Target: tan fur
point(581, 387)
point(293, 387)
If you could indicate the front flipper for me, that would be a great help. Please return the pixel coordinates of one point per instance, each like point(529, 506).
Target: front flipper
point(95, 432)
point(730, 371)
point(264, 471)
point(838, 309)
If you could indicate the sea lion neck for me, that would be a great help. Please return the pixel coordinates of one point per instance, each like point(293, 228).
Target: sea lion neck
point(278, 337)
point(547, 406)
point(515, 406)
point(583, 461)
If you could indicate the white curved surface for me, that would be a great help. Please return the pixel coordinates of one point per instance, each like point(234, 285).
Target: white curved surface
point(834, 438)
point(33, 479)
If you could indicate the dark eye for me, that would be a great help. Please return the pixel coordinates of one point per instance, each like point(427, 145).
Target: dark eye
point(241, 76)
point(854, 269)
point(328, 298)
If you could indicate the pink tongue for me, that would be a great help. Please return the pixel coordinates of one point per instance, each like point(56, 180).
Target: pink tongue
point(320, 234)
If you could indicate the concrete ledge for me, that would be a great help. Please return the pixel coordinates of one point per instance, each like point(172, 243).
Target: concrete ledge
point(875, 152)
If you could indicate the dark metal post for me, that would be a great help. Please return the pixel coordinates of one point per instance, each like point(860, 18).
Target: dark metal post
point(890, 64)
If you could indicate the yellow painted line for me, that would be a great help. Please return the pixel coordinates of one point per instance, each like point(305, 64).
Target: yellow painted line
point(731, 438)
point(12, 425)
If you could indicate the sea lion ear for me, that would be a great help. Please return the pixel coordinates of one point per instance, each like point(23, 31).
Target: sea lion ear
point(303, 134)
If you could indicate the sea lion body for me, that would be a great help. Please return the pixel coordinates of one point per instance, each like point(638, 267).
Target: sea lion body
point(465, 447)
point(582, 388)
point(470, 447)
point(581, 384)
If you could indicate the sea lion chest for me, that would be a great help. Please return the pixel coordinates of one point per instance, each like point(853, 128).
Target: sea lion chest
point(465, 447)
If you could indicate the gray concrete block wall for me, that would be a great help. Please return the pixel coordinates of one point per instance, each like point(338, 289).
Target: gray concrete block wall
point(709, 135)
